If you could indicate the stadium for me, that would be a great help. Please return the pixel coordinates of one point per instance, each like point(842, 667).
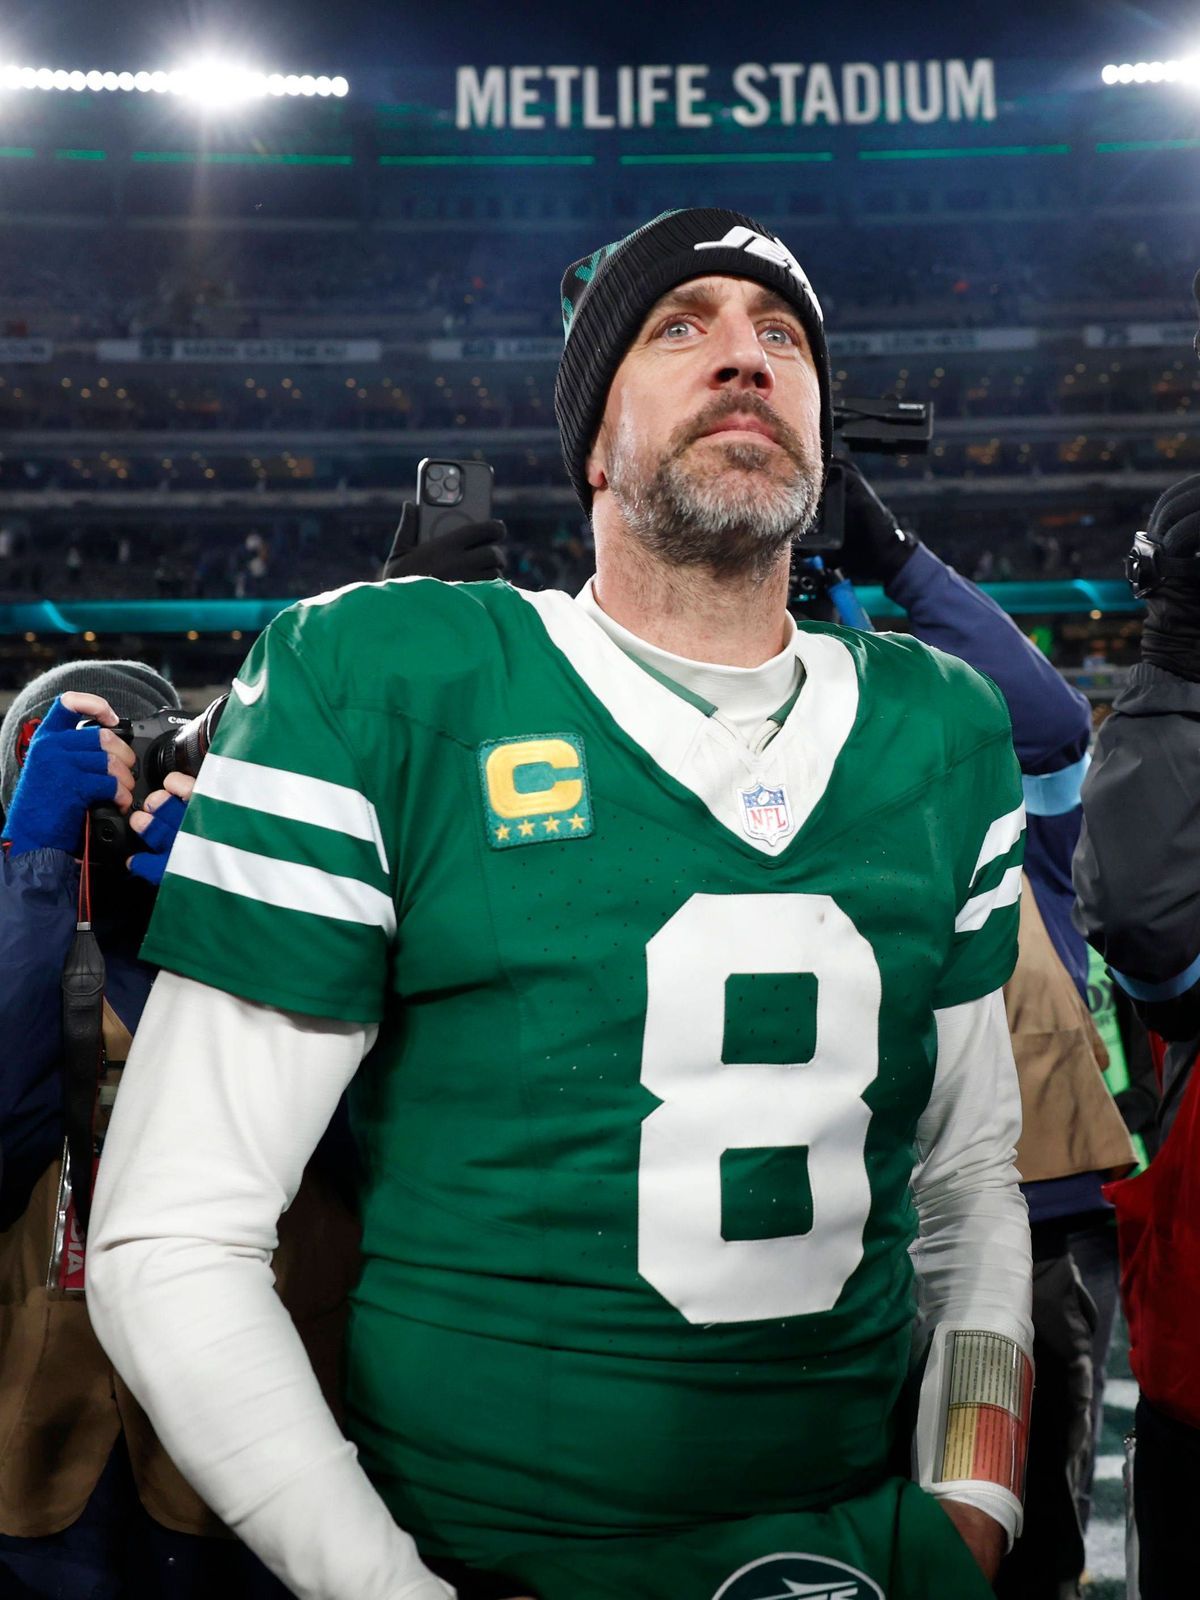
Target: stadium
point(256, 264)
point(258, 318)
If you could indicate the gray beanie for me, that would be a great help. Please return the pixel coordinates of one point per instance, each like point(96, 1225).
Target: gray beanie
point(131, 688)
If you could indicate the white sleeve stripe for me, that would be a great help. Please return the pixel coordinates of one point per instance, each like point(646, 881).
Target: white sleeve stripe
point(287, 884)
point(291, 795)
point(979, 908)
point(1000, 838)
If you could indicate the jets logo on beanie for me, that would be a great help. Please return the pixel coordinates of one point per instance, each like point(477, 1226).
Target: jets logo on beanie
point(607, 295)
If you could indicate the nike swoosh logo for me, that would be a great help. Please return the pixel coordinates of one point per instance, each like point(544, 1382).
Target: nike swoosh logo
point(248, 693)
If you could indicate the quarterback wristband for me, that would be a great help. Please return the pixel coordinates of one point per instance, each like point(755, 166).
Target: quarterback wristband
point(973, 1413)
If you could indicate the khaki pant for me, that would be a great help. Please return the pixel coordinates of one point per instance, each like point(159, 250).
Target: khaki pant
point(62, 1405)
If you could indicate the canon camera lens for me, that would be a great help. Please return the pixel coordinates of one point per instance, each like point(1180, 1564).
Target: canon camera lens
point(183, 750)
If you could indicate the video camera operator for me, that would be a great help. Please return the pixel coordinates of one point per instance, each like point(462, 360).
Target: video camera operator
point(1137, 877)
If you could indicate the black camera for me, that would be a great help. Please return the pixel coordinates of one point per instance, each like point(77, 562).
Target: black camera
point(888, 427)
point(168, 741)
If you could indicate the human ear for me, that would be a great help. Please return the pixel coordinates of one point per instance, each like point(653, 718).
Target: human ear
point(595, 467)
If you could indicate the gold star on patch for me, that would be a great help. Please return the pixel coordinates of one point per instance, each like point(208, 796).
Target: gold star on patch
point(577, 823)
point(551, 824)
point(503, 831)
point(525, 829)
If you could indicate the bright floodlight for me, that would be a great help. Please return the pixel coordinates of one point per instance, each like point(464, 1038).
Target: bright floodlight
point(215, 83)
point(209, 83)
point(1185, 70)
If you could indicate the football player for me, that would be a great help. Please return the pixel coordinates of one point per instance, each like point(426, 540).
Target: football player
point(661, 944)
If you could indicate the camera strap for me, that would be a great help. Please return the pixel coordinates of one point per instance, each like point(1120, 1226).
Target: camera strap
point(83, 1061)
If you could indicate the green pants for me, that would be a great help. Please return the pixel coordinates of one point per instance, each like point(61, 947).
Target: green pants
point(895, 1543)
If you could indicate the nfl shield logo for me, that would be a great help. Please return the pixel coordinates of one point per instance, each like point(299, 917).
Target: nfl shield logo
point(765, 813)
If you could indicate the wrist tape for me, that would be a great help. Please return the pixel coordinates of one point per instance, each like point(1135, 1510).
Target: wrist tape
point(973, 1413)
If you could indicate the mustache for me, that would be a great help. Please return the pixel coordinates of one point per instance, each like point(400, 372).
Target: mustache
point(732, 405)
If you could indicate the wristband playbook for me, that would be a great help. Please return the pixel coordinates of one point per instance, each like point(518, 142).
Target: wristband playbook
point(973, 1415)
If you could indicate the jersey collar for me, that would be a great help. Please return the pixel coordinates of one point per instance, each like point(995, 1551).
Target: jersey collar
point(693, 747)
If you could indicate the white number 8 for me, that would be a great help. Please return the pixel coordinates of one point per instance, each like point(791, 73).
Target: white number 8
point(710, 1107)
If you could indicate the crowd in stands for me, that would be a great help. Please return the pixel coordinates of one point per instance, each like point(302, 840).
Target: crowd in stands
point(287, 557)
point(73, 284)
point(418, 393)
point(344, 471)
point(121, 282)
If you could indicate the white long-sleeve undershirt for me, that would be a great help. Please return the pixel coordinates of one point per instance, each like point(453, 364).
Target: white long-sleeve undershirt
point(222, 1102)
point(221, 1105)
point(971, 1256)
point(744, 697)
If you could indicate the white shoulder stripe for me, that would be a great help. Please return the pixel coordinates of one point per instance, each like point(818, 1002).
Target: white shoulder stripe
point(1000, 838)
point(287, 884)
point(979, 908)
point(291, 795)
point(327, 595)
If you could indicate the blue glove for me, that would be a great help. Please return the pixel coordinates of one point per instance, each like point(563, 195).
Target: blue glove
point(65, 772)
point(158, 837)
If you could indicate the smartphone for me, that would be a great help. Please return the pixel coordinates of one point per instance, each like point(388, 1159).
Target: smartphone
point(451, 494)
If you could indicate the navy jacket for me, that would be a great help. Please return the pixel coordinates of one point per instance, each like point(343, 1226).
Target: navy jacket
point(38, 892)
point(1052, 726)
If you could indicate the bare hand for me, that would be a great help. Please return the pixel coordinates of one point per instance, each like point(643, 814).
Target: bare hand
point(982, 1535)
point(121, 759)
point(179, 784)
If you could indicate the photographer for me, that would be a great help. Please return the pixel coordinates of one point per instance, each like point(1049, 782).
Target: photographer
point(90, 1504)
point(1136, 874)
point(1072, 1134)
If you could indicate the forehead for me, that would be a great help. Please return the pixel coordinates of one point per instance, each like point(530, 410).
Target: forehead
point(717, 290)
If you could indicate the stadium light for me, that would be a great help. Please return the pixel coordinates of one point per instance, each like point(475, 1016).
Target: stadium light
point(209, 83)
point(1184, 70)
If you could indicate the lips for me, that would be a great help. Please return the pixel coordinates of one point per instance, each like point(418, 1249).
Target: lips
point(741, 422)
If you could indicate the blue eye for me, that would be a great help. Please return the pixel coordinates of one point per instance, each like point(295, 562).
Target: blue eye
point(679, 325)
point(778, 332)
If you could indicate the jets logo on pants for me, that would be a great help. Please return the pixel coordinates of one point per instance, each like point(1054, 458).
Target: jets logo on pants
point(798, 1577)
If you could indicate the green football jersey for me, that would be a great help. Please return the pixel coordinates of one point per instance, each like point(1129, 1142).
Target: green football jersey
point(656, 1027)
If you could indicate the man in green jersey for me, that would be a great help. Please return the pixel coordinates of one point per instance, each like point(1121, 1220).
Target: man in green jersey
point(661, 942)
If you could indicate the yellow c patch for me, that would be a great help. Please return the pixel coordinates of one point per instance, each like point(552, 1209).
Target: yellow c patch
point(535, 789)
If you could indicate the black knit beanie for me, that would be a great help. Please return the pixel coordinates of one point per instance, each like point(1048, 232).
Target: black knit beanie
point(606, 296)
point(133, 689)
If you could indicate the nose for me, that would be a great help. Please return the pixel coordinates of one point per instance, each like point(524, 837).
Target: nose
point(739, 360)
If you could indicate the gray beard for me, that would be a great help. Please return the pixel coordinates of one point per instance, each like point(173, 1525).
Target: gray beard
point(734, 527)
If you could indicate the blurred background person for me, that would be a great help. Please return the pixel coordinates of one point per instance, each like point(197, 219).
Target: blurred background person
point(1073, 1136)
point(1137, 874)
